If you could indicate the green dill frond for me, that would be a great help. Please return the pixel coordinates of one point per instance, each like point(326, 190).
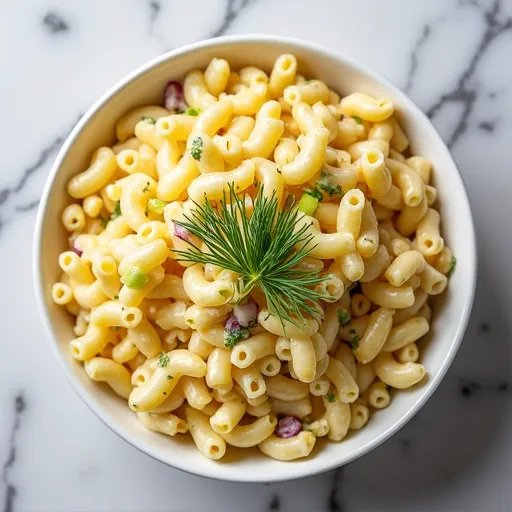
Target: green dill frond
point(264, 248)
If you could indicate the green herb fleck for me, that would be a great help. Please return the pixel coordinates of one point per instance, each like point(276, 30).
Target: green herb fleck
point(134, 406)
point(192, 112)
point(314, 193)
point(331, 397)
point(117, 211)
point(163, 360)
point(325, 184)
point(354, 343)
point(146, 188)
point(170, 377)
point(344, 317)
point(122, 308)
point(116, 297)
point(453, 264)
point(103, 221)
point(197, 148)
point(357, 119)
point(190, 321)
point(231, 338)
point(148, 119)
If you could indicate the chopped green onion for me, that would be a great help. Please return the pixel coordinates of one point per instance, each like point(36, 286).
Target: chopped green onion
point(148, 119)
point(163, 360)
point(357, 119)
point(354, 343)
point(343, 317)
point(156, 205)
point(117, 211)
point(325, 184)
point(197, 148)
point(308, 204)
point(314, 193)
point(231, 338)
point(453, 264)
point(192, 112)
point(134, 278)
point(103, 221)
point(331, 397)
point(234, 332)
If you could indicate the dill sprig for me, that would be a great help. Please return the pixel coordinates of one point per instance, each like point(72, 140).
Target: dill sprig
point(263, 248)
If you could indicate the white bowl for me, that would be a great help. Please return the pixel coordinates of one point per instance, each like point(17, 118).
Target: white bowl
point(146, 85)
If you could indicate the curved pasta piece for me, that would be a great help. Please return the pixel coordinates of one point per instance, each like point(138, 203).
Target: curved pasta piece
point(375, 335)
point(196, 92)
point(325, 245)
point(137, 190)
point(100, 172)
point(125, 127)
point(388, 296)
point(169, 369)
point(208, 442)
point(174, 183)
point(207, 293)
point(286, 389)
point(366, 107)
point(166, 423)
point(264, 137)
point(338, 416)
point(214, 185)
point(253, 434)
point(292, 448)
point(273, 324)
point(110, 372)
point(395, 374)
point(268, 176)
point(309, 159)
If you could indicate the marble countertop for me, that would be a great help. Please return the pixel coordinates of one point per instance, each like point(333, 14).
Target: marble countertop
point(452, 57)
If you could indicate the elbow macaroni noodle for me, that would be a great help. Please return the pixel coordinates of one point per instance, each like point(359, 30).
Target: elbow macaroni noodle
point(151, 327)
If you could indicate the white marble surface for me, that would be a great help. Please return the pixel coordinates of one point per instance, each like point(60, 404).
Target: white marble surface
point(453, 58)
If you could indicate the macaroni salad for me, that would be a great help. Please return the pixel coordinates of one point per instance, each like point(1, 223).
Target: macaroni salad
point(251, 263)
